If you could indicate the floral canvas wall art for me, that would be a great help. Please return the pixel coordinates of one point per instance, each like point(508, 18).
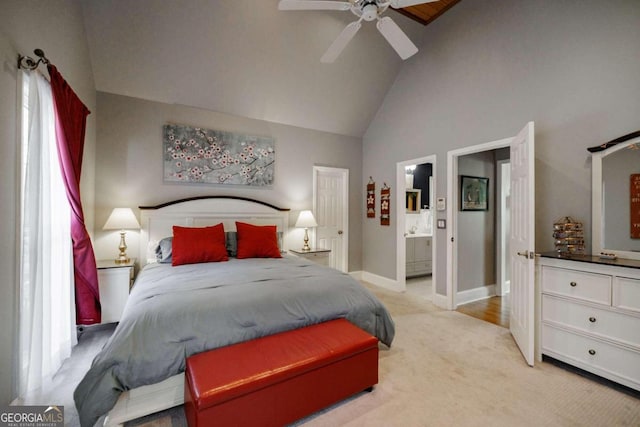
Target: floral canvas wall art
point(198, 155)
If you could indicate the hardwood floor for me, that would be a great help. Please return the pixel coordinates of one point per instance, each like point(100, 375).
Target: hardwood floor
point(493, 310)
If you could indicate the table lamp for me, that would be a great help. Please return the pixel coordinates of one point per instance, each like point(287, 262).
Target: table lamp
point(122, 219)
point(306, 220)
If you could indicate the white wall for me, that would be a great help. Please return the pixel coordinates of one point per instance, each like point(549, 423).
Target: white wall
point(56, 27)
point(485, 69)
point(129, 170)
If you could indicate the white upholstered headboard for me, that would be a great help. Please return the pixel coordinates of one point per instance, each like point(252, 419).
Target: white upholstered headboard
point(157, 221)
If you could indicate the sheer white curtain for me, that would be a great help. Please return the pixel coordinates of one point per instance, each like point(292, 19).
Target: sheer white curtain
point(47, 308)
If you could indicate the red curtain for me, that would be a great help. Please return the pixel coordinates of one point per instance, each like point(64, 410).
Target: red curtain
point(71, 119)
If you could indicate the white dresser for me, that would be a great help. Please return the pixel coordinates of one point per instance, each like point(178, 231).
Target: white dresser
point(590, 315)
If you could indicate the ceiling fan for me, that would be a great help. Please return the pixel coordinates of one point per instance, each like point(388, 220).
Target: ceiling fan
point(367, 10)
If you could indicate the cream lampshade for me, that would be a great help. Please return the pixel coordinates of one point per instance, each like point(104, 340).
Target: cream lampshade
point(306, 220)
point(122, 219)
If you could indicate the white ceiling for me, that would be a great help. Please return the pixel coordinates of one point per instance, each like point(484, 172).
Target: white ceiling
point(243, 57)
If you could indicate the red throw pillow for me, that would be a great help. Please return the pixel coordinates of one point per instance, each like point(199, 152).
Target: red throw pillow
point(256, 241)
point(195, 245)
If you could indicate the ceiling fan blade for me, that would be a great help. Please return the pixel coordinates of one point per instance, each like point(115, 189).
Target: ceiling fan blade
point(339, 44)
point(313, 5)
point(397, 4)
point(396, 37)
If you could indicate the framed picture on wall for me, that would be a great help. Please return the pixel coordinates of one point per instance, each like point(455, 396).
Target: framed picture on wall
point(474, 193)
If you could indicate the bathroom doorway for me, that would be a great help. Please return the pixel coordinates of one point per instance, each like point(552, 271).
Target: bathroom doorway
point(416, 256)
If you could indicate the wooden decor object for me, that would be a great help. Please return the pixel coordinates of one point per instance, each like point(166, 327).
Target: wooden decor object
point(385, 205)
point(371, 198)
point(634, 203)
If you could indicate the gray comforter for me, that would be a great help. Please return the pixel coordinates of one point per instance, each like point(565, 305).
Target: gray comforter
point(174, 312)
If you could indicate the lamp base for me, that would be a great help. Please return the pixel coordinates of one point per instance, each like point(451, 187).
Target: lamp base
point(306, 247)
point(122, 256)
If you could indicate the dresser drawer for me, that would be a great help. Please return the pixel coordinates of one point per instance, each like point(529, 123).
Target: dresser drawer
point(577, 284)
point(604, 323)
point(610, 361)
point(626, 293)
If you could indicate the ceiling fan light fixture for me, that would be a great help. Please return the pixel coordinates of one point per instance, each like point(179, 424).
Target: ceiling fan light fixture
point(370, 12)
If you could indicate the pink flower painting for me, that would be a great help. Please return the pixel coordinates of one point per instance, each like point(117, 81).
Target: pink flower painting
point(204, 156)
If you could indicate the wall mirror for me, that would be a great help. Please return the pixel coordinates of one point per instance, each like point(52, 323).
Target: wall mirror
point(615, 200)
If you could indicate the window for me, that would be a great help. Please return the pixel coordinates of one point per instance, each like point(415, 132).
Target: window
point(47, 309)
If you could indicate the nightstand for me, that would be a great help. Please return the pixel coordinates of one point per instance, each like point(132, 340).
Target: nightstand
point(114, 281)
point(317, 255)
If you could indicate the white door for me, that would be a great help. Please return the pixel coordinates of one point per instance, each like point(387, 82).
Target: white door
point(522, 241)
point(331, 209)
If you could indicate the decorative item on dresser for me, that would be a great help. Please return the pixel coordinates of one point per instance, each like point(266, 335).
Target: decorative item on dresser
point(122, 219)
point(115, 281)
point(590, 314)
point(317, 255)
point(569, 236)
point(306, 221)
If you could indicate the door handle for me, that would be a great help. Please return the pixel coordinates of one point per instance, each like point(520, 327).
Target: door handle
point(340, 232)
point(526, 254)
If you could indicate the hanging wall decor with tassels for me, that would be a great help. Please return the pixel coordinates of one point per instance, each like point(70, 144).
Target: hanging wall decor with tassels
point(634, 202)
point(385, 205)
point(371, 198)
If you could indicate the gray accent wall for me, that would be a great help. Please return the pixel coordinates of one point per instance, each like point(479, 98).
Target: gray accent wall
point(485, 69)
point(129, 172)
point(57, 27)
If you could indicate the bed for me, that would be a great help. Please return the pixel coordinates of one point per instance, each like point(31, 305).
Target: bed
point(176, 311)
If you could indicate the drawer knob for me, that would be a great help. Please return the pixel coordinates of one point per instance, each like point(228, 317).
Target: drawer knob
point(573, 284)
point(592, 319)
point(592, 352)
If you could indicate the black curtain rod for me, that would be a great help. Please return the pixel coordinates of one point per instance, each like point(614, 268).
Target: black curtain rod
point(28, 63)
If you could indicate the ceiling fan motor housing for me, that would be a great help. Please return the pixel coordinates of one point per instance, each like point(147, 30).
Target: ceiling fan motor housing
point(370, 11)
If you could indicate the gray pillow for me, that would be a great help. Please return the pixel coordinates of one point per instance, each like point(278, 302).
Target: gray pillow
point(163, 250)
point(231, 241)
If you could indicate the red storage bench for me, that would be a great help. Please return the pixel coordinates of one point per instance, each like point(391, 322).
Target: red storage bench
point(275, 380)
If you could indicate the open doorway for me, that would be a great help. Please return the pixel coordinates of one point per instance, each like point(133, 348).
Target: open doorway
point(415, 197)
point(521, 232)
point(482, 289)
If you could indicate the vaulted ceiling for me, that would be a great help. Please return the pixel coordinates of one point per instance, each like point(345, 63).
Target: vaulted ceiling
point(244, 57)
point(428, 12)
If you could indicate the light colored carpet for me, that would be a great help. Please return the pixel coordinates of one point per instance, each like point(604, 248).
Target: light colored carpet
point(444, 369)
point(448, 369)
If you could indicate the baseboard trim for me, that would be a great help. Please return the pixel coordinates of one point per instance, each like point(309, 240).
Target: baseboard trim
point(383, 282)
point(356, 274)
point(441, 301)
point(475, 294)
